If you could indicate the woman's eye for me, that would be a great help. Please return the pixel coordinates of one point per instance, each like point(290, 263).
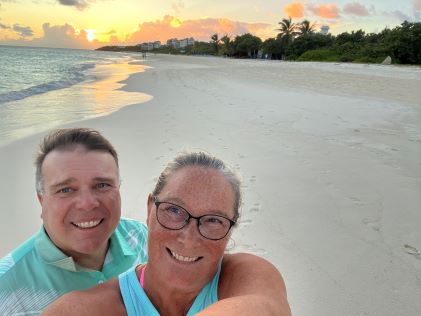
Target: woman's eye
point(174, 210)
point(213, 220)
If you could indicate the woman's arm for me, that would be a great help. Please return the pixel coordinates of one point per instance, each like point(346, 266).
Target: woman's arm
point(101, 300)
point(249, 285)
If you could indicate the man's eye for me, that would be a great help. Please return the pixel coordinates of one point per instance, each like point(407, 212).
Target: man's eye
point(64, 190)
point(102, 185)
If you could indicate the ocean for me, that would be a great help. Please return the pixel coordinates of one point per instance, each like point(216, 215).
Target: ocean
point(42, 88)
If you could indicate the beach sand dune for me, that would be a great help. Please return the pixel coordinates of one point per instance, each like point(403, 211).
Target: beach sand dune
point(330, 156)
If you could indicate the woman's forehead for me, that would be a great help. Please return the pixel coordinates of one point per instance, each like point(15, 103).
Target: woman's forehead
point(197, 185)
point(194, 176)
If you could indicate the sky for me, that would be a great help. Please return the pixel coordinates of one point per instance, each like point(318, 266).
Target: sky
point(89, 24)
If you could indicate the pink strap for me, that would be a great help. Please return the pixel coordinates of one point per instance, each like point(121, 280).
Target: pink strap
point(142, 276)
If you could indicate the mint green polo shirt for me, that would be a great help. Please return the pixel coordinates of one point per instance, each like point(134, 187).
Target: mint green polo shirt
point(37, 272)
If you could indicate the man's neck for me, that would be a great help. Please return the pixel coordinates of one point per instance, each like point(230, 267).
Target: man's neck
point(93, 261)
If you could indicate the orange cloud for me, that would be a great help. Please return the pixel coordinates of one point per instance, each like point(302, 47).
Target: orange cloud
point(326, 11)
point(67, 36)
point(294, 10)
point(200, 29)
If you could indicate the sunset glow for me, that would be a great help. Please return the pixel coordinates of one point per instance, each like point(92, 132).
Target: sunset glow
point(130, 22)
point(175, 23)
point(90, 35)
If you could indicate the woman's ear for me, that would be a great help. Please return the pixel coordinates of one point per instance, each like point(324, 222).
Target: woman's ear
point(151, 204)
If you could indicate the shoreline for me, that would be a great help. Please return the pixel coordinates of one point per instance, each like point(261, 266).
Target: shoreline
point(97, 95)
point(331, 170)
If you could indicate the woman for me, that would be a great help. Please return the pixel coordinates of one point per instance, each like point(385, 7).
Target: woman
point(191, 213)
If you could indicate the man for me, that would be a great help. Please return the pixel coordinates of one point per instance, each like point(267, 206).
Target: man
point(83, 241)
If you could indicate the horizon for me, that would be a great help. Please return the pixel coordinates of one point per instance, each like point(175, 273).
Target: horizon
point(90, 24)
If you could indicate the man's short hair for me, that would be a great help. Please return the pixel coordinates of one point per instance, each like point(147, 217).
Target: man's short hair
point(68, 139)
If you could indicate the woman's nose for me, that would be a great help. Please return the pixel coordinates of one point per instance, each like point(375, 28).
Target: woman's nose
point(190, 232)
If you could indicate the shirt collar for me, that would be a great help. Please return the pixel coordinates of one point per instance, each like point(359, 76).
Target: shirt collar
point(52, 255)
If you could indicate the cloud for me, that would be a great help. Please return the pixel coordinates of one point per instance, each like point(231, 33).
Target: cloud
point(294, 10)
point(200, 29)
point(177, 6)
point(66, 36)
point(417, 4)
point(24, 31)
point(326, 11)
point(4, 26)
point(401, 16)
point(80, 4)
point(356, 8)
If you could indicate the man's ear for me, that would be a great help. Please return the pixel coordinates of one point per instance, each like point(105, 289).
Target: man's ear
point(151, 204)
point(40, 198)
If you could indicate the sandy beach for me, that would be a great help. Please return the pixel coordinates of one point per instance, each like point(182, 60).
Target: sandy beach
point(329, 154)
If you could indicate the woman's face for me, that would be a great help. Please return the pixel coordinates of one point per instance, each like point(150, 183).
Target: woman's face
point(184, 258)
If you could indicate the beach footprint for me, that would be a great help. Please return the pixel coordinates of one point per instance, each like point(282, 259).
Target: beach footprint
point(255, 208)
point(373, 224)
point(412, 251)
point(250, 249)
point(245, 222)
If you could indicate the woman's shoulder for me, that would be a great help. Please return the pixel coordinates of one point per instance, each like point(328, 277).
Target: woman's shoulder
point(241, 271)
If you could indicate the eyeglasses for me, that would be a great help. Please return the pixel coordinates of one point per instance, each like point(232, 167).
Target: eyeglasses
point(175, 217)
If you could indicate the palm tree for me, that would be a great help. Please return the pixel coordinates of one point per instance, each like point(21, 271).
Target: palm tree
point(305, 28)
point(227, 50)
point(215, 40)
point(287, 30)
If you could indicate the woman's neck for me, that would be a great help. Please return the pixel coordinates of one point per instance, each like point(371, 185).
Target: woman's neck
point(166, 297)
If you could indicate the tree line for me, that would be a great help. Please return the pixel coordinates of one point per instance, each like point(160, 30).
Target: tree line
point(300, 42)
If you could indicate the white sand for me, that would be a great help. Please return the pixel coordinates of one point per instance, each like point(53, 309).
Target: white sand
point(330, 155)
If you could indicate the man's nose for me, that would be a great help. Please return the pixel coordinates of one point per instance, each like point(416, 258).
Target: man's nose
point(87, 200)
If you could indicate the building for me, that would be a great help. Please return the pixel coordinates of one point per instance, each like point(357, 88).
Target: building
point(150, 45)
point(186, 42)
point(183, 43)
point(324, 29)
point(174, 43)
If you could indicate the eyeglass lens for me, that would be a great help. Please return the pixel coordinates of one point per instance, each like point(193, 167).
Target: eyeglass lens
point(175, 217)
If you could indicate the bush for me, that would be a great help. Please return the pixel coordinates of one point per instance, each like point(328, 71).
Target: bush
point(319, 55)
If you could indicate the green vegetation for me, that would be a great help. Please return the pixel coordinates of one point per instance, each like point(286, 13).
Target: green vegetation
point(299, 41)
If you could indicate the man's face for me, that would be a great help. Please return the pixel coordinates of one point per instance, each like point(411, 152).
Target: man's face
point(81, 200)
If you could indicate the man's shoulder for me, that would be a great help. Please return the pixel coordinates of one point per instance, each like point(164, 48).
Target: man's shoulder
point(11, 262)
point(133, 232)
point(129, 228)
point(128, 224)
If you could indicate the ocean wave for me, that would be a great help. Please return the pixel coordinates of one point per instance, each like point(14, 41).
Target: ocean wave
point(75, 75)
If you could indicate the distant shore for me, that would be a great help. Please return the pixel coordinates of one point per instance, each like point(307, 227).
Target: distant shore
point(330, 157)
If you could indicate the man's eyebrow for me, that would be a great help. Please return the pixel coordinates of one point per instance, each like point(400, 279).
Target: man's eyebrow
point(62, 183)
point(105, 179)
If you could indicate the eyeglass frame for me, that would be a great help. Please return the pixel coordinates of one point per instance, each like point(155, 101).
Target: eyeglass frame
point(187, 221)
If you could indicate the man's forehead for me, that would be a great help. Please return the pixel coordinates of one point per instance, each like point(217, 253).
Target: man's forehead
point(78, 152)
point(94, 162)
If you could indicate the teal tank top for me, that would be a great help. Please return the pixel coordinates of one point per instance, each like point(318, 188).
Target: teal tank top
point(137, 302)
